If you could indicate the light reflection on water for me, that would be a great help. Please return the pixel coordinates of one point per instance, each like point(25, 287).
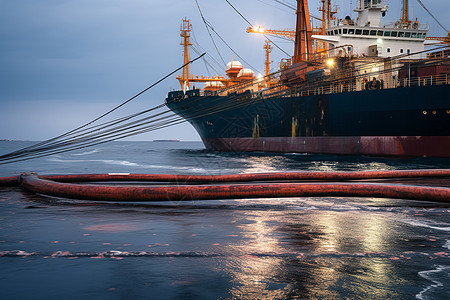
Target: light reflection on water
point(320, 250)
point(262, 250)
point(310, 248)
point(253, 275)
point(264, 164)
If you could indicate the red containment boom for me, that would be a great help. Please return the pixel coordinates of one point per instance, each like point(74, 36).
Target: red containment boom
point(240, 186)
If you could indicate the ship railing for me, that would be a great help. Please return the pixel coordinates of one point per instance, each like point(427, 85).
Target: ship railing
point(345, 81)
point(423, 81)
point(343, 86)
point(413, 26)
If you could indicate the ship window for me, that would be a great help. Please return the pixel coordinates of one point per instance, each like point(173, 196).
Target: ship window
point(373, 32)
point(340, 31)
point(388, 50)
point(394, 33)
point(401, 34)
point(351, 31)
point(424, 35)
point(387, 33)
point(358, 31)
point(344, 31)
point(401, 50)
point(380, 33)
point(335, 31)
point(365, 32)
point(413, 35)
point(419, 35)
point(408, 51)
point(408, 34)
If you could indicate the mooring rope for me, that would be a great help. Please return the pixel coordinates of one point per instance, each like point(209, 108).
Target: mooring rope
point(58, 141)
point(91, 135)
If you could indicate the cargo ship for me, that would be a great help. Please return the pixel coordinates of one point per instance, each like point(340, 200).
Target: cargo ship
point(353, 87)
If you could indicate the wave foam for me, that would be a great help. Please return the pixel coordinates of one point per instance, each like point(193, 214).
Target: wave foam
point(439, 278)
point(447, 244)
point(428, 224)
point(86, 153)
point(133, 164)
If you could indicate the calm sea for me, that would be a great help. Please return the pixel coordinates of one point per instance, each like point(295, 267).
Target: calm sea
point(302, 248)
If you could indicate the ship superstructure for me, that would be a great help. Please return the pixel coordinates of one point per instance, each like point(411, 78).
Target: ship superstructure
point(368, 37)
point(372, 90)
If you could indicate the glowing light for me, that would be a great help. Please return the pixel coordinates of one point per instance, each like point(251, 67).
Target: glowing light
point(330, 62)
point(379, 41)
point(258, 29)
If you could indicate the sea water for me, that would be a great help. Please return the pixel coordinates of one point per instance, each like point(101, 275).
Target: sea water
point(280, 248)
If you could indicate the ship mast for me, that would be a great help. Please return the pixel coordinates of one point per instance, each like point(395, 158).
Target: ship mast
point(405, 15)
point(327, 13)
point(268, 47)
point(303, 41)
point(185, 34)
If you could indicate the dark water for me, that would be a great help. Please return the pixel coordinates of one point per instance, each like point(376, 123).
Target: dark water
point(302, 248)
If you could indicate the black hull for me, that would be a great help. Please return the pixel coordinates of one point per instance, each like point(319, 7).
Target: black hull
point(408, 121)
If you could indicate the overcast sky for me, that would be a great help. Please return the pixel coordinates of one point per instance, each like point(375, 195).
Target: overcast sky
point(64, 62)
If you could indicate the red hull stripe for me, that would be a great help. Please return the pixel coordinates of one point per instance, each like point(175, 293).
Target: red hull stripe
point(433, 146)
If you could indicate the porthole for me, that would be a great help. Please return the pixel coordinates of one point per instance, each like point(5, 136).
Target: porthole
point(424, 112)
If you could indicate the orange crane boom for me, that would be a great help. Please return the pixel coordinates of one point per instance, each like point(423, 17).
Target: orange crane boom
point(302, 35)
point(443, 39)
point(290, 34)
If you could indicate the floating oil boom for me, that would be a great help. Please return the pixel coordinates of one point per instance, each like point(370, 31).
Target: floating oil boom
point(236, 186)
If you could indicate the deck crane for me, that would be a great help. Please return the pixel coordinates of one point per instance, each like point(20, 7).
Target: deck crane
point(327, 15)
point(301, 35)
point(186, 78)
point(289, 34)
point(442, 39)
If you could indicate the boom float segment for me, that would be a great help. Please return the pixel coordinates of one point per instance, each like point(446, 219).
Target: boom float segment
point(48, 185)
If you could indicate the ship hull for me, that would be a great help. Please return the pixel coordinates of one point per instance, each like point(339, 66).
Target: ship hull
point(401, 146)
point(402, 122)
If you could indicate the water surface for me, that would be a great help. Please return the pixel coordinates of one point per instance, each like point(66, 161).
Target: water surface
point(307, 248)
